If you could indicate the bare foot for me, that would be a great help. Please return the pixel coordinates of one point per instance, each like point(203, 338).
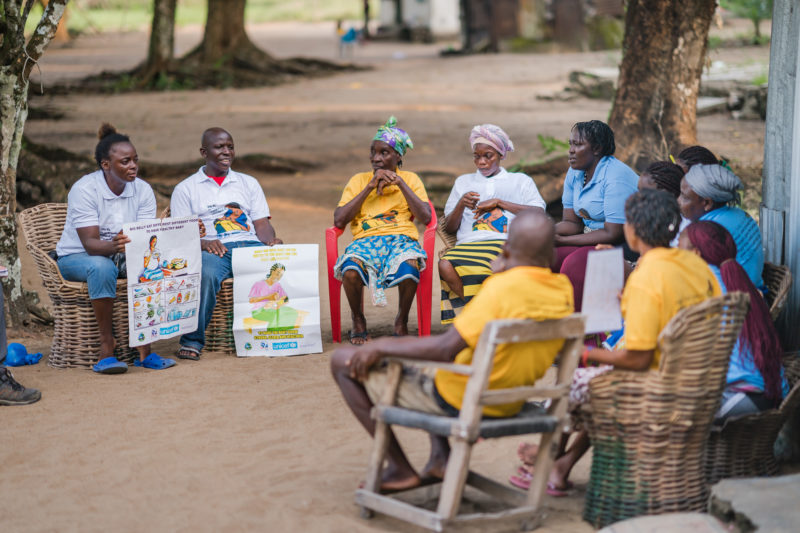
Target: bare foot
point(359, 335)
point(400, 326)
point(527, 453)
point(391, 482)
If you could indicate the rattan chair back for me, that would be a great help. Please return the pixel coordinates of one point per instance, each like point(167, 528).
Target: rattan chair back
point(649, 429)
point(778, 280)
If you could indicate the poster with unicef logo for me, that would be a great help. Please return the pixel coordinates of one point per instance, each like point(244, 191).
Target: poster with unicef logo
point(276, 300)
point(163, 262)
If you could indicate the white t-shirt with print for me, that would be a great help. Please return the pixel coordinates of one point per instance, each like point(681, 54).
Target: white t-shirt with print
point(91, 203)
point(227, 210)
point(509, 186)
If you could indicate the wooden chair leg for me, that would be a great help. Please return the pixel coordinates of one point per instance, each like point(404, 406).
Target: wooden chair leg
point(372, 482)
point(548, 448)
point(455, 476)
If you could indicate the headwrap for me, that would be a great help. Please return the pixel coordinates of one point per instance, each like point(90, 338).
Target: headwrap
point(394, 136)
point(714, 182)
point(492, 135)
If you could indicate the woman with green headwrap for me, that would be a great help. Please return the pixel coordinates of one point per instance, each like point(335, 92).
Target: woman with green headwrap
point(380, 207)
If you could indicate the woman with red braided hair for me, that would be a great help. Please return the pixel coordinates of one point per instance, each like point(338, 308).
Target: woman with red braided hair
point(755, 375)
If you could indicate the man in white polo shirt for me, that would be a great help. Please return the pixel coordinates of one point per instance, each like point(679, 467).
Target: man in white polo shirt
point(234, 211)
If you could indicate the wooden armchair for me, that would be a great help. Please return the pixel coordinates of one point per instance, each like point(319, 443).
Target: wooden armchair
point(465, 429)
point(649, 430)
point(76, 339)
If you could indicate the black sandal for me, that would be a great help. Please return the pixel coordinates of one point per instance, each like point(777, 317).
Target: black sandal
point(194, 353)
point(363, 335)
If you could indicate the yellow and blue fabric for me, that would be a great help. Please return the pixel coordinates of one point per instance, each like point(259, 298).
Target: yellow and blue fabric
point(381, 262)
point(747, 237)
point(387, 213)
point(472, 262)
point(522, 292)
point(603, 198)
point(393, 136)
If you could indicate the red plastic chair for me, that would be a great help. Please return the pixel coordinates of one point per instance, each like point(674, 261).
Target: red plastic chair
point(424, 289)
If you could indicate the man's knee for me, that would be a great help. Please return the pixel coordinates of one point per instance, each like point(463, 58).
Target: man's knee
point(339, 360)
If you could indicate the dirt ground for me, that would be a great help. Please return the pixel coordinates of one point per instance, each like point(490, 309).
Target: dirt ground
point(251, 444)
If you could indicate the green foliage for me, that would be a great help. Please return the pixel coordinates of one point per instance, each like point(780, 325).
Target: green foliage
point(133, 15)
point(551, 144)
point(754, 10)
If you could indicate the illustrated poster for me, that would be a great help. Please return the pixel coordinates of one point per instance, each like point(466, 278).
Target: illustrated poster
point(276, 300)
point(601, 288)
point(163, 262)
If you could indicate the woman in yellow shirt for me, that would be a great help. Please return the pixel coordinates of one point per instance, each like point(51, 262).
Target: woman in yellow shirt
point(665, 281)
point(380, 207)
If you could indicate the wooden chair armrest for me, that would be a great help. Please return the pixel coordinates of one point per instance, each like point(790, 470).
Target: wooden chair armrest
point(464, 370)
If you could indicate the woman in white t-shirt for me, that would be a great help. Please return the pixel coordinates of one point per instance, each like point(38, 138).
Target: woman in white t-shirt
point(479, 211)
point(92, 245)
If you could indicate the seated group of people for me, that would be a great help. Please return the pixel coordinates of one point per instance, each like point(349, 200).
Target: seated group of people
point(510, 261)
point(678, 223)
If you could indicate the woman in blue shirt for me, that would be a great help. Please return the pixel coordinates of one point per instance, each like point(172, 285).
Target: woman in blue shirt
point(595, 189)
point(711, 192)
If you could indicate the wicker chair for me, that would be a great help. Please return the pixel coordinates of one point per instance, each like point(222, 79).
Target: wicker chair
point(743, 446)
point(449, 239)
point(76, 339)
point(778, 279)
point(649, 429)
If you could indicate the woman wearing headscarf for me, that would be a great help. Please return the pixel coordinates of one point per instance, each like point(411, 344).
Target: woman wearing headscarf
point(595, 189)
point(755, 380)
point(380, 207)
point(479, 211)
point(711, 192)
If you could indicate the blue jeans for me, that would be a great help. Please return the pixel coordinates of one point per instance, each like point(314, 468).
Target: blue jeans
point(215, 270)
point(98, 271)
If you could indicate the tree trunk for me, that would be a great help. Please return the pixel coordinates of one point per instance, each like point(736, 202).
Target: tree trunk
point(224, 34)
point(162, 39)
point(365, 31)
point(17, 59)
point(655, 108)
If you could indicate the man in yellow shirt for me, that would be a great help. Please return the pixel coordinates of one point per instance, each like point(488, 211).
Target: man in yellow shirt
point(380, 207)
point(524, 287)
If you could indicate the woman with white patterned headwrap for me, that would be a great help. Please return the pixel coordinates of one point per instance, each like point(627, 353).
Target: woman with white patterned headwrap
point(711, 192)
point(479, 210)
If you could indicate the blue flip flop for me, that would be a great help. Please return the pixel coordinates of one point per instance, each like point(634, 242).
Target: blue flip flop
point(155, 362)
point(110, 365)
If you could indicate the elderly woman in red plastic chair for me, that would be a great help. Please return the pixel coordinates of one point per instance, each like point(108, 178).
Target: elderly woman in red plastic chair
point(380, 206)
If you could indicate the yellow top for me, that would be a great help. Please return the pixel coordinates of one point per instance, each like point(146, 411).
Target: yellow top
point(387, 214)
point(522, 292)
point(665, 281)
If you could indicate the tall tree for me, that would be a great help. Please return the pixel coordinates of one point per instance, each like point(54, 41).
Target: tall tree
point(18, 56)
point(160, 53)
point(664, 50)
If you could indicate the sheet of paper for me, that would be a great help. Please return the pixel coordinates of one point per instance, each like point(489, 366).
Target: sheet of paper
point(601, 288)
point(276, 300)
point(163, 262)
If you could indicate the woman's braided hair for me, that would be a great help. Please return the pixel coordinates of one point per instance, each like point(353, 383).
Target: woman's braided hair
point(667, 176)
point(698, 155)
point(598, 135)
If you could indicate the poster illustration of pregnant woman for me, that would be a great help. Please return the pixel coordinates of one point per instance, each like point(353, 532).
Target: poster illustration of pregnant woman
point(270, 303)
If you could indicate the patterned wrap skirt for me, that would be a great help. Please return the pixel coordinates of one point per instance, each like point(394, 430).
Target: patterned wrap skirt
point(472, 262)
point(381, 262)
